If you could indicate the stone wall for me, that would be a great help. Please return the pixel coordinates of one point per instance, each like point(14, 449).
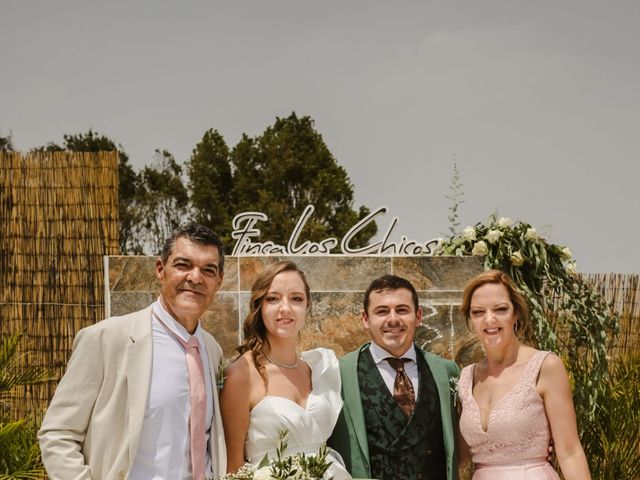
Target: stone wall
point(337, 282)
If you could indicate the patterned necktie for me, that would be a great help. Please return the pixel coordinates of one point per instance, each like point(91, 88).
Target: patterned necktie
point(198, 400)
point(402, 387)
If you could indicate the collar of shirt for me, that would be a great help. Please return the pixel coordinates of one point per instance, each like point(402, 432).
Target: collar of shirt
point(173, 325)
point(379, 354)
point(388, 373)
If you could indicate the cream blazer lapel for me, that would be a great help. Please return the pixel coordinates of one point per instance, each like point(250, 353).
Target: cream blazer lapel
point(217, 446)
point(138, 373)
point(139, 359)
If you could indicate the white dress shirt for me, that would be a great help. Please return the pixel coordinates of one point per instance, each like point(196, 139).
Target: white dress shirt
point(388, 373)
point(164, 451)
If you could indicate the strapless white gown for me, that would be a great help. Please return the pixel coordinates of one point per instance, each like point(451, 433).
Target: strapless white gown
point(308, 427)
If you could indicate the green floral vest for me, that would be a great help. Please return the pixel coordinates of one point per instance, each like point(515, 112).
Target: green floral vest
point(401, 449)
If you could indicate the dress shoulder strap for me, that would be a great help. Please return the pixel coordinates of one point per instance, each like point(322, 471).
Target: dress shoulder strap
point(532, 370)
point(465, 384)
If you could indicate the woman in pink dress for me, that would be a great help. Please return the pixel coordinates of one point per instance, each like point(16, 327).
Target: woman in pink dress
point(517, 398)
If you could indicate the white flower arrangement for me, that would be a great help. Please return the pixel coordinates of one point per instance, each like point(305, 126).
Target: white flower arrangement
point(469, 234)
point(298, 466)
point(504, 222)
point(531, 234)
point(503, 240)
point(546, 273)
point(494, 235)
point(480, 248)
point(517, 260)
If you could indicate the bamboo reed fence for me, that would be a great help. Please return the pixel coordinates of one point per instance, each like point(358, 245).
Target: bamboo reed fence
point(59, 217)
point(623, 293)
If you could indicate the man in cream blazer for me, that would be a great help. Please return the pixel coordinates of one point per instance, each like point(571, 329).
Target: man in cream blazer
point(100, 424)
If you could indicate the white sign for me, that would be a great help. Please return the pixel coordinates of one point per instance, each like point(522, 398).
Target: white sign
point(245, 231)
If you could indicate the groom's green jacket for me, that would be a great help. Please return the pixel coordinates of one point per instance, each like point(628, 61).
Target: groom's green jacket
point(349, 436)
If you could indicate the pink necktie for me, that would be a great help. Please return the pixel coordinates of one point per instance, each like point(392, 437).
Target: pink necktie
point(198, 403)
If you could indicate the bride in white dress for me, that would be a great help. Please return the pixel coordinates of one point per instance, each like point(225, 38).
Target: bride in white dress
point(271, 387)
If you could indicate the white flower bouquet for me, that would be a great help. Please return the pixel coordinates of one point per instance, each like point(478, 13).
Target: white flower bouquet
point(298, 466)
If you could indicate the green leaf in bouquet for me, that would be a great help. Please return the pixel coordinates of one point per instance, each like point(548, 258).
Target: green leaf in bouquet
point(264, 462)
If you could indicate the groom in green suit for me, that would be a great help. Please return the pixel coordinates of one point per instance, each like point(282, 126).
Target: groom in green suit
point(398, 420)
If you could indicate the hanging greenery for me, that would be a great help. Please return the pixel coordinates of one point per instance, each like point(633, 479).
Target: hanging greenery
point(568, 316)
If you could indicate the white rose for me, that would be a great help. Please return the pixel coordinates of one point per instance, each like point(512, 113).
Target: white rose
point(531, 234)
point(469, 234)
point(566, 253)
point(480, 248)
point(572, 268)
point(263, 473)
point(504, 222)
point(517, 259)
point(494, 235)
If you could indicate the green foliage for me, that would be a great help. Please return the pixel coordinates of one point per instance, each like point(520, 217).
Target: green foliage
point(19, 451)
point(278, 173)
point(161, 202)
point(568, 316)
point(299, 466)
point(456, 196)
point(612, 440)
point(12, 374)
point(210, 183)
point(5, 144)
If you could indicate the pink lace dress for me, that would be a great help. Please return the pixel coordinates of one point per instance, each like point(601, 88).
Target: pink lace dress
point(514, 446)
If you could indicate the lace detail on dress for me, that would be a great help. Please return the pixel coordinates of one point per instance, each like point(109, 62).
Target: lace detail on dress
point(517, 428)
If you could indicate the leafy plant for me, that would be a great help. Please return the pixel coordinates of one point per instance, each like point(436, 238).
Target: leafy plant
point(278, 173)
point(19, 451)
point(568, 316)
point(456, 196)
point(285, 467)
point(612, 440)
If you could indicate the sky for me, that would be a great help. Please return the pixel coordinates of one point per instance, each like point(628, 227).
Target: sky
point(537, 102)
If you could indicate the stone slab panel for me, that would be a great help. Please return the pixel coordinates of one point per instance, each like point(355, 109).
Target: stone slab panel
point(338, 284)
point(444, 330)
point(139, 274)
point(128, 302)
point(230, 279)
point(440, 273)
point(335, 322)
point(221, 321)
point(133, 274)
point(335, 273)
